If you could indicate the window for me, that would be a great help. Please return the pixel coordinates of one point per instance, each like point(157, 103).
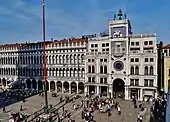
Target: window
point(89, 79)
point(93, 69)
point(105, 69)
point(92, 60)
point(136, 59)
point(101, 60)
point(92, 45)
point(146, 43)
point(103, 45)
point(96, 45)
point(107, 49)
point(151, 59)
point(146, 59)
point(136, 82)
point(151, 83)
point(93, 79)
point(101, 69)
point(150, 42)
point(151, 70)
point(92, 50)
point(101, 80)
point(132, 43)
point(132, 60)
point(146, 70)
point(137, 43)
point(103, 50)
point(89, 69)
point(89, 60)
point(107, 44)
point(145, 82)
point(136, 70)
point(105, 60)
point(132, 70)
point(105, 80)
point(132, 82)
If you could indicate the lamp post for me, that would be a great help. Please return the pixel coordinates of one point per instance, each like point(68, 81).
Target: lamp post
point(44, 52)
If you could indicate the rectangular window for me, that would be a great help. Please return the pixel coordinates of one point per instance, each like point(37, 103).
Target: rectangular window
point(89, 60)
point(105, 60)
point(89, 79)
point(132, 43)
point(151, 59)
point(93, 79)
point(132, 82)
point(96, 45)
point(92, 60)
point(150, 42)
point(151, 83)
point(107, 44)
point(103, 50)
point(105, 80)
point(92, 45)
point(137, 43)
point(101, 60)
point(146, 43)
point(145, 82)
point(101, 80)
point(103, 45)
point(146, 59)
point(136, 59)
point(132, 60)
point(136, 82)
point(107, 49)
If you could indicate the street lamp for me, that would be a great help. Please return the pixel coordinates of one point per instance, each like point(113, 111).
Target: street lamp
point(44, 52)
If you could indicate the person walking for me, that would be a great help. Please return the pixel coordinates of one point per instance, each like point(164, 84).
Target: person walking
point(4, 111)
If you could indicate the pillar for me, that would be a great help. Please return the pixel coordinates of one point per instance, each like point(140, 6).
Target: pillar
point(77, 89)
point(110, 91)
point(141, 94)
point(37, 85)
point(86, 90)
point(97, 90)
point(69, 88)
point(63, 87)
point(49, 87)
point(56, 87)
point(126, 93)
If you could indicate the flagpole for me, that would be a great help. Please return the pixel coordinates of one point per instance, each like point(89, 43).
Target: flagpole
point(44, 52)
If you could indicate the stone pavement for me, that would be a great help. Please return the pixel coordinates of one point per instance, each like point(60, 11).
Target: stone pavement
point(129, 113)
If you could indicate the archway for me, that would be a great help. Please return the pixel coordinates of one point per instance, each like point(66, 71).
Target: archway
point(28, 82)
point(66, 86)
point(92, 89)
point(40, 85)
point(34, 84)
point(81, 87)
point(59, 86)
point(73, 87)
point(52, 86)
point(104, 90)
point(118, 87)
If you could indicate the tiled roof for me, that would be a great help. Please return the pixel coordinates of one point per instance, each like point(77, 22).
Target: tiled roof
point(167, 46)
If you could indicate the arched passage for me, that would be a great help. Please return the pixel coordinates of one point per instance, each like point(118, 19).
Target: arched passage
point(66, 86)
point(34, 84)
point(4, 82)
point(91, 89)
point(118, 87)
point(73, 87)
point(59, 86)
point(40, 85)
point(28, 82)
point(52, 86)
point(81, 87)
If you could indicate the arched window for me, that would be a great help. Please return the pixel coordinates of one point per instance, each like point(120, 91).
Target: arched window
point(146, 70)
point(105, 69)
point(132, 70)
point(151, 70)
point(101, 69)
point(136, 70)
point(93, 69)
point(89, 69)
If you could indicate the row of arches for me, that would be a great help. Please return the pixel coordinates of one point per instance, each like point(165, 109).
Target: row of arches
point(103, 69)
point(60, 72)
point(148, 70)
point(38, 59)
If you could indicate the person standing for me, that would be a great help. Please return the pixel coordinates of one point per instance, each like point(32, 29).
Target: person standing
point(4, 111)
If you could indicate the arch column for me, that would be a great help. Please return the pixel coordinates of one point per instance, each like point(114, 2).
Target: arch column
point(62, 87)
point(69, 88)
point(77, 88)
point(126, 93)
point(56, 88)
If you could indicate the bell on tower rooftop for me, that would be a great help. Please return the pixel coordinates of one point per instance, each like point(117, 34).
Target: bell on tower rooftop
point(120, 14)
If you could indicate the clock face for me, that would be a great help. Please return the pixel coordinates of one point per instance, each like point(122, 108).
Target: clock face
point(118, 65)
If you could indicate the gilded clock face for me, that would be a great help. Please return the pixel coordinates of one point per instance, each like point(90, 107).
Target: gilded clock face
point(118, 65)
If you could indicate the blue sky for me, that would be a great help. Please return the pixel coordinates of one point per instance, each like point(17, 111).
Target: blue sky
point(20, 20)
